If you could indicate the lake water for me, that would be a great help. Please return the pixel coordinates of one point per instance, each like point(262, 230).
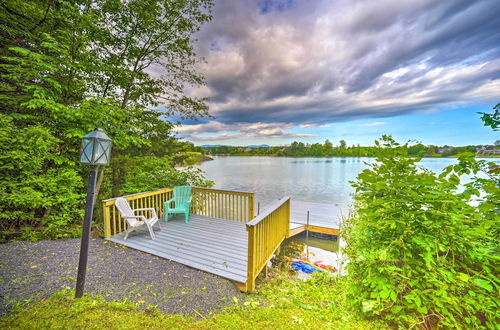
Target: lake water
point(321, 180)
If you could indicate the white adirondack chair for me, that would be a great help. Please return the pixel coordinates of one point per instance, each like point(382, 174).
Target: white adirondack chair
point(135, 221)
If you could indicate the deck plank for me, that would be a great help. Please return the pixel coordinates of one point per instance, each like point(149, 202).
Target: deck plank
point(213, 245)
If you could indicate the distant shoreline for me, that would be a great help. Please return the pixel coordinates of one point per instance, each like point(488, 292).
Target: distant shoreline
point(277, 156)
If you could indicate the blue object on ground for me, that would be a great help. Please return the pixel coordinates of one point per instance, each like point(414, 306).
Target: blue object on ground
point(303, 267)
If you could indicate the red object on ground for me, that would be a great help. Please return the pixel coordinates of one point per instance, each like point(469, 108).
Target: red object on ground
point(328, 267)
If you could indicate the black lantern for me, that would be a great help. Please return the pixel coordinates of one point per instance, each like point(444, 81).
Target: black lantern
point(96, 150)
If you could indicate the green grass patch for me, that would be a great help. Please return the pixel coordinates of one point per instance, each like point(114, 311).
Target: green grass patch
point(281, 302)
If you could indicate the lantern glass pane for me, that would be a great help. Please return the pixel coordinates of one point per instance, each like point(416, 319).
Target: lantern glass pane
point(101, 154)
point(87, 148)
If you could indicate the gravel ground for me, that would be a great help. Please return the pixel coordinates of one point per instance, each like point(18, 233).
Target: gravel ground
point(34, 270)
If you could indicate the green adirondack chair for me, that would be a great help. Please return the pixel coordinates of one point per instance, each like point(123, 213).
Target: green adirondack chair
point(182, 202)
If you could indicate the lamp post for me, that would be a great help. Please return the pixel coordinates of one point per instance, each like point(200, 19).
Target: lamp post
point(96, 150)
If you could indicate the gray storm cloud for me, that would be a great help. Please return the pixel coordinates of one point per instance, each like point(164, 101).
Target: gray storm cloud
point(296, 63)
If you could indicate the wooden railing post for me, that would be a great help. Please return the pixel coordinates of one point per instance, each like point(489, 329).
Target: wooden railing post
point(251, 213)
point(250, 285)
point(107, 220)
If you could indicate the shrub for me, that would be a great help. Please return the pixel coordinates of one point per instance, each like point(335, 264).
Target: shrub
point(420, 252)
point(39, 189)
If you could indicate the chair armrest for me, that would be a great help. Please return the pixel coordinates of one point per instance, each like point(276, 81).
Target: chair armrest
point(153, 211)
point(170, 201)
point(189, 201)
point(133, 216)
point(139, 217)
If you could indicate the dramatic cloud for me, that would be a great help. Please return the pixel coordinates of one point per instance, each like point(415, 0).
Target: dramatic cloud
point(310, 63)
point(256, 130)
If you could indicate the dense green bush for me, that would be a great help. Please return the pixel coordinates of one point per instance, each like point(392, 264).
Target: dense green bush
point(38, 187)
point(420, 252)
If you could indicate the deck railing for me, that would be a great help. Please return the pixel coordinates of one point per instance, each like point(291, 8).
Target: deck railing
point(225, 204)
point(265, 234)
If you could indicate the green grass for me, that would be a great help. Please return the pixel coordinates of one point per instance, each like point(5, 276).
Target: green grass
point(280, 303)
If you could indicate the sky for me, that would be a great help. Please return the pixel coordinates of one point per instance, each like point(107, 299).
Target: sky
point(279, 71)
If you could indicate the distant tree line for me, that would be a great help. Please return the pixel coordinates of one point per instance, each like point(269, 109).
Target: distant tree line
point(327, 149)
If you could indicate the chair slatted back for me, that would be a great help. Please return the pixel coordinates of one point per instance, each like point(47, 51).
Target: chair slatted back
point(182, 194)
point(124, 207)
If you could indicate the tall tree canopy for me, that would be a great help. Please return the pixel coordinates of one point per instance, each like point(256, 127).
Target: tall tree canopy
point(69, 66)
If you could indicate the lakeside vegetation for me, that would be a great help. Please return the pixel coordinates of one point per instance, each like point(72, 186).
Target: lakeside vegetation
point(434, 263)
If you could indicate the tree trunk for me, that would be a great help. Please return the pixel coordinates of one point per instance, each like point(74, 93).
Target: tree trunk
point(114, 184)
point(100, 178)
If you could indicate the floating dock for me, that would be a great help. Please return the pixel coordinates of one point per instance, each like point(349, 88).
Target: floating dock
point(316, 217)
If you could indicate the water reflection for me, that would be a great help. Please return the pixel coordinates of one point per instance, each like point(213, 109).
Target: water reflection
point(312, 161)
point(321, 180)
point(328, 244)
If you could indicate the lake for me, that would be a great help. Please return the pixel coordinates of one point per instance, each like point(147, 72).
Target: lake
point(321, 180)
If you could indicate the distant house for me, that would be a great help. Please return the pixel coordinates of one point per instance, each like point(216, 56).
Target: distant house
point(488, 149)
point(482, 148)
point(443, 150)
point(491, 152)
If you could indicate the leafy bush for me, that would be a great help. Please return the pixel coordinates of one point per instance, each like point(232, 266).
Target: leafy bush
point(420, 252)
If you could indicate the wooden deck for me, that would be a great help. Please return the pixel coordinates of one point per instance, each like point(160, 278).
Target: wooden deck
point(214, 245)
point(223, 236)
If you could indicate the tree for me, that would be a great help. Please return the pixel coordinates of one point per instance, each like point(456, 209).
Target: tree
point(342, 144)
point(417, 150)
point(328, 148)
point(67, 67)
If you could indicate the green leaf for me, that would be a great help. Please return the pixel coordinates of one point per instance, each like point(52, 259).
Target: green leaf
point(396, 309)
point(368, 305)
point(464, 277)
point(422, 309)
point(483, 284)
